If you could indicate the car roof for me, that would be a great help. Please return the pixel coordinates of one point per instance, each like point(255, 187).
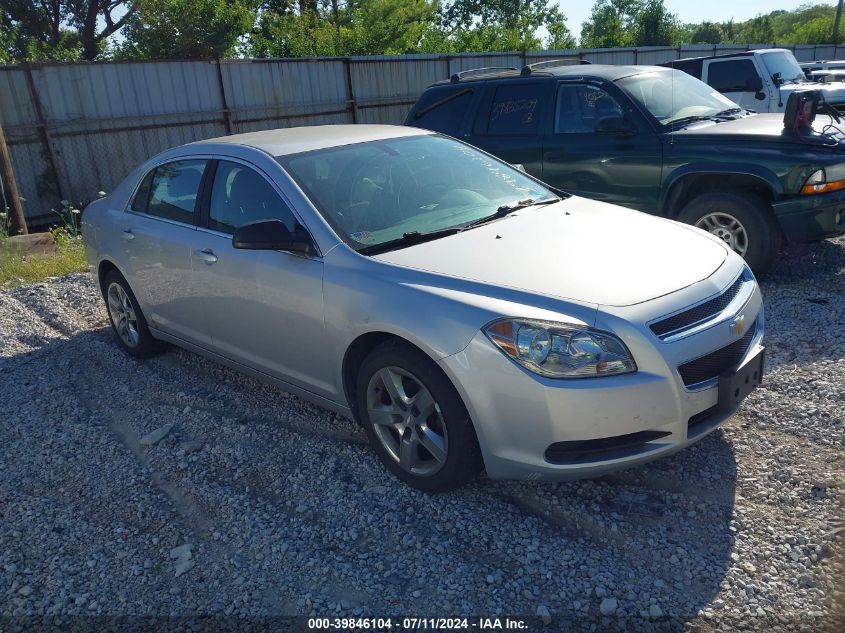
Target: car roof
point(610, 72)
point(723, 55)
point(294, 140)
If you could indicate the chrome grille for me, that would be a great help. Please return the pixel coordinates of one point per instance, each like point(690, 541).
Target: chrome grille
point(702, 312)
point(716, 363)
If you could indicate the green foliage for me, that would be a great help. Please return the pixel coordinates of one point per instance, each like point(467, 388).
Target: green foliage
point(59, 30)
point(808, 24)
point(186, 29)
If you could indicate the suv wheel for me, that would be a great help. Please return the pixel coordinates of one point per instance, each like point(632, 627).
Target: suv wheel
point(744, 223)
point(415, 419)
point(127, 320)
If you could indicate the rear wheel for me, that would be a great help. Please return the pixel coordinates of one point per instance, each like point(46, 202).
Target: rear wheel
point(415, 419)
point(127, 320)
point(743, 222)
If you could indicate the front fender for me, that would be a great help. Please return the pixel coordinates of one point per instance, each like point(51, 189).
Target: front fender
point(766, 176)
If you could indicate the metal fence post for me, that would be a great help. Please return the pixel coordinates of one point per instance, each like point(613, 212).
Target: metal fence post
point(10, 190)
point(45, 132)
point(351, 105)
point(227, 114)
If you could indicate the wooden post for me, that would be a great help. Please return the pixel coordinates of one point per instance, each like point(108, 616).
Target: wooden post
point(10, 188)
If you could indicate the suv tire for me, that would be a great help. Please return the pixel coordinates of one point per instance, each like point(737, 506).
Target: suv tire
point(743, 222)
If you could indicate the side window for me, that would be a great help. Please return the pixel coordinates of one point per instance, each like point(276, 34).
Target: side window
point(142, 196)
point(580, 106)
point(170, 191)
point(732, 76)
point(515, 109)
point(442, 110)
point(241, 195)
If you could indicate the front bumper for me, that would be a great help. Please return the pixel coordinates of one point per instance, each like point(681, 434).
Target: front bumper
point(522, 420)
point(807, 218)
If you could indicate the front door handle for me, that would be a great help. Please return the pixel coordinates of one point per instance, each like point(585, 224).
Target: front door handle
point(207, 255)
point(128, 235)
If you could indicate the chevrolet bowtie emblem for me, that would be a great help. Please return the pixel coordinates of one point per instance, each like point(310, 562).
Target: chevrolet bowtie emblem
point(738, 325)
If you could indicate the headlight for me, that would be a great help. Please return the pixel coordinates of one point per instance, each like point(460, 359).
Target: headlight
point(818, 183)
point(560, 350)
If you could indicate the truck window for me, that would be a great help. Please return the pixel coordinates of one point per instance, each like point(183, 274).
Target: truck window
point(442, 110)
point(580, 106)
point(515, 109)
point(735, 75)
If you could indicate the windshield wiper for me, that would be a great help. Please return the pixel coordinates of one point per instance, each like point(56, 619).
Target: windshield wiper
point(727, 112)
point(408, 239)
point(506, 209)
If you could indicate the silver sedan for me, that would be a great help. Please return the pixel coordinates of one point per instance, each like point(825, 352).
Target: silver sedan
point(467, 315)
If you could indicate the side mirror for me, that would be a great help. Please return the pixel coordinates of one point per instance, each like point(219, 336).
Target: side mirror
point(272, 235)
point(760, 96)
point(615, 125)
point(778, 79)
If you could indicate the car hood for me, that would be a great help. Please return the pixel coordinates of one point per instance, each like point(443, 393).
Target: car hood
point(576, 249)
point(756, 128)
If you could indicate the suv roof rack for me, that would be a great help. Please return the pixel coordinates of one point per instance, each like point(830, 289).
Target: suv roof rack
point(479, 71)
point(565, 61)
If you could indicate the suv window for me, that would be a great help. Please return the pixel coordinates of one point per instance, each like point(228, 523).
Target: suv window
point(170, 191)
point(241, 195)
point(515, 109)
point(442, 110)
point(580, 106)
point(735, 75)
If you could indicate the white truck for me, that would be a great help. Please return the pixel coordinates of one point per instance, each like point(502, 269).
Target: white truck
point(759, 80)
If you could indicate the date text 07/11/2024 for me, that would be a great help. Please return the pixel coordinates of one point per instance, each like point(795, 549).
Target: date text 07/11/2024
point(416, 624)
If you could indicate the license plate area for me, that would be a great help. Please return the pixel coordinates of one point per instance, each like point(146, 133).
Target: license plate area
point(735, 385)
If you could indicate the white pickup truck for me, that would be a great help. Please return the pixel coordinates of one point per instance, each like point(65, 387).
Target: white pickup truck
point(759, 80)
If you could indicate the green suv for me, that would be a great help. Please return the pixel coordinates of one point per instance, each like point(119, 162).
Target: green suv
point(656, 140)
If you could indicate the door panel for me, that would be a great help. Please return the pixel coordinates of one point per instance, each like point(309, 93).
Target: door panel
point(623, 169)
point(513, 118)
point(158, 239)
point(264, 308)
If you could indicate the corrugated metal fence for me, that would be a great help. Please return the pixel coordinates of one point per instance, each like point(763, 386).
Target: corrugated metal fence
point(76, 129)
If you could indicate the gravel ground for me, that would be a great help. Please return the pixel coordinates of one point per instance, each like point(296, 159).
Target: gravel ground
point(256, 504)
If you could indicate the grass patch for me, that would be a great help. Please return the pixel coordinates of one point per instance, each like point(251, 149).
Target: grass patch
point(16, 270)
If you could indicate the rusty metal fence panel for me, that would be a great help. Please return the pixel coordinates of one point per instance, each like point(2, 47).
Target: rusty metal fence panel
point(76, 129)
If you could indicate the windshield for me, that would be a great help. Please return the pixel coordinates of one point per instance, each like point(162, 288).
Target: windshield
point(784, 62)
point(673, 95)
point(375, 192)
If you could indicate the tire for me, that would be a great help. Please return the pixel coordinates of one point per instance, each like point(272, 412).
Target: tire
point(441, 449)
point(727, 215)
point(127, 320)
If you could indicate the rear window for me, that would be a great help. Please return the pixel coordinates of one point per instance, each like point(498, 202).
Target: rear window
point(442, 110)
point(515, 109)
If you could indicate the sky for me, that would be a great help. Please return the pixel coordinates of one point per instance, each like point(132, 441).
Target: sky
point(577, 11)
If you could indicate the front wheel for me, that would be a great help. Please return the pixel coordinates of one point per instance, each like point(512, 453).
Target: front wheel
point(743, 222)
point(415, 419)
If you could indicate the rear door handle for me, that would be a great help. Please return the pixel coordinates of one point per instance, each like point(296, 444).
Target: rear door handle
point(207, 255)
point(128, 235)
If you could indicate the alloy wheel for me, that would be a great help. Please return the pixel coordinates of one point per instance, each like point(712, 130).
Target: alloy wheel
point(727, 228)
point(123, 315)
point(407, 421)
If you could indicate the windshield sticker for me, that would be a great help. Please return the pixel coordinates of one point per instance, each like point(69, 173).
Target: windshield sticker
point(362, 236)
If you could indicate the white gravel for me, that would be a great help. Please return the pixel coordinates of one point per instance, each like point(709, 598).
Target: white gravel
point(176, 487)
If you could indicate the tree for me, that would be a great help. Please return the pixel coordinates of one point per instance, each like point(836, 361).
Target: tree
point(60, 29)
point(704, 33)
point(654, 25)
point(186, 28)
point(497, 25)
point(611, 24)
